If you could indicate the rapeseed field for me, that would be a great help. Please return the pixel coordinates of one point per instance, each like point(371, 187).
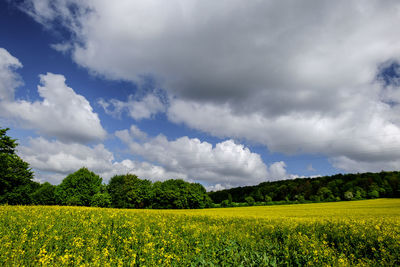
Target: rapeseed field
point(357, 233)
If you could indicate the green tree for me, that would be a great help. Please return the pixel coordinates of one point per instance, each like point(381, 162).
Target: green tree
point(373, 194)
point(225, 203)
point(128, 191)
point(325, 194)
point(44, 194)
point(250, 200)
point(102, 200)
point(178, 194)
point(229, 198)
point(78, 188)
point(16, 183)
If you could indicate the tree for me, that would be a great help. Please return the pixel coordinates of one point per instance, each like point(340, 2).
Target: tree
point(229, 198)
point(373, 194)
point(257, 195)
point(325, 194)
point(102, 200)
point(16, 177)
point(178, 194)
point(250, 201)
point(225, 203)
point(78, 188)
point(128, 191)
point(44, 194)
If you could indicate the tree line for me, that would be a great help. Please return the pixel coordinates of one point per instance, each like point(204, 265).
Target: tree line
point(85, 188)
point(321, 189)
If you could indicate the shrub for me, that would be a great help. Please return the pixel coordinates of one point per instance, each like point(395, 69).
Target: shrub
point(250, 201)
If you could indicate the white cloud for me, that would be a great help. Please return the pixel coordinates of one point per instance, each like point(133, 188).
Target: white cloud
point(296, 77)
point(56, 156)
point(370, 134)
point(138, 109)
point(62, 47)
point(277, 56)
point(227, 163)
point(54, 160)
point(62, 113)
point(9, 79)
point(217, 187)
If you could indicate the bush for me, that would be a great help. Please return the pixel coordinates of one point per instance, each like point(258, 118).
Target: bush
point(225, 203)
point(250, 201)
point(348, 195)
point(268, 198)
point(373, 194)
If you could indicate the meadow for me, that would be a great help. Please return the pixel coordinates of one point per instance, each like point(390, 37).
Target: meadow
point(364, 233)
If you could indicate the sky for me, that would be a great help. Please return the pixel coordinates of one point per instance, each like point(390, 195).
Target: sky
point(225, 93)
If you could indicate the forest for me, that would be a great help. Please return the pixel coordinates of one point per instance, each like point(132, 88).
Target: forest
point(85, 188)
point(321, 189)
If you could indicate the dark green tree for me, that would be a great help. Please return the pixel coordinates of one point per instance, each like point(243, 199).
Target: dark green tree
point(44, 194)
point(178, 194)
point(102, 200)
point(78, 188)
point(128, 191)
point(229, 198)
point(16, 183)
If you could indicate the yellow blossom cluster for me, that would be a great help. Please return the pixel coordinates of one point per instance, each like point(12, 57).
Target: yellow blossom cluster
point(364, 233)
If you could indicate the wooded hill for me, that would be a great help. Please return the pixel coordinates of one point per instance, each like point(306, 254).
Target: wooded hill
point(328, 188)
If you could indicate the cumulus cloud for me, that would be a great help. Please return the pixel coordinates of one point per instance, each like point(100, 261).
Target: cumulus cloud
point(53, 160)
point(138, 109)
point(297, 77)
point(62, 113)
point(224, 165)
point(370, 134)
point(280, 56)
point(9, 79)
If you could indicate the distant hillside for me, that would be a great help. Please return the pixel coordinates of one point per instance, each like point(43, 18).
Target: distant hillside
point(327, 188)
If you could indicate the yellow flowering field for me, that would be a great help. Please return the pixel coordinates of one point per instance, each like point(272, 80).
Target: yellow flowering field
point(364, 233)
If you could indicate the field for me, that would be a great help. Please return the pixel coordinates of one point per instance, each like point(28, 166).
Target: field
point(340, 234)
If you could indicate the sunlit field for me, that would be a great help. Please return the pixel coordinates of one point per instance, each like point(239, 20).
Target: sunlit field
point(341, 234)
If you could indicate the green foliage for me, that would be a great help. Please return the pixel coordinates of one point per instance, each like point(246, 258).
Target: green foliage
point(250, 201)
point(229, 198)
point(348, 195)
point(257, 195)
point(78, 188)
point(268, 198)
point(178, 194)
point(128, 191)
point(373, 194)
point(328, 188)
point(44, 194)
point(225, 203)
point(16, 183)
point(102, 200)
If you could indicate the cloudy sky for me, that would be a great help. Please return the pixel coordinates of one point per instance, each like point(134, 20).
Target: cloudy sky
point(225, 93)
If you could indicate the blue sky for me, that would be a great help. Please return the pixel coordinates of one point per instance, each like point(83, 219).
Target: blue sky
point(220, 93)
